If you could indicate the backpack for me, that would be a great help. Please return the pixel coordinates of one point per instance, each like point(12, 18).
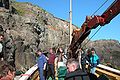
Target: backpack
point(62, 70)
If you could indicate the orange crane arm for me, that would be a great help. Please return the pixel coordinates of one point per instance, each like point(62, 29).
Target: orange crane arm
point(90, 23)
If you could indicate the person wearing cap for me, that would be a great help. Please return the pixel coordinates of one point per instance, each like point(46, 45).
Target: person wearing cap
point(41, 63)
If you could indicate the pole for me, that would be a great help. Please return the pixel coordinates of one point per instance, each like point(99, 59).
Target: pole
point(71, 29)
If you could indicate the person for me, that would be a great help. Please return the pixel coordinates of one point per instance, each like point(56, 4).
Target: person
point(7, 72)
point(74, 71)
point(94, 61)
point(41, 63)
point(61, 58)
point(1, 47)
point(82, 59)
point(56, 67)
point(79, 52)
point(51, 60)
point(88, 55)
point(61, 64)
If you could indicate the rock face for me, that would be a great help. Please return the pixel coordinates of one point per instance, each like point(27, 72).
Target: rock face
point(26, 28)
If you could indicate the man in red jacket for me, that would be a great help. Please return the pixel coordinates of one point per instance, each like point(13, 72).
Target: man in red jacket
point(51, 59)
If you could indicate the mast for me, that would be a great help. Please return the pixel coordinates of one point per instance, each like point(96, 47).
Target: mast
point(71, 29)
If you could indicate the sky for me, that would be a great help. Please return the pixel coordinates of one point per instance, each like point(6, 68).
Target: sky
point(81, 9)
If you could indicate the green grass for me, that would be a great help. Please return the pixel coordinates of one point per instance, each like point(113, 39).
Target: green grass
point(22, 8)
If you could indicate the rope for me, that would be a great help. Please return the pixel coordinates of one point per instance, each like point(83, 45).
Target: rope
point(100, 7)
point(92, 36)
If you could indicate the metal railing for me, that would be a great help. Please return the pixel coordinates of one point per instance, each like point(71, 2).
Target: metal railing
point(113, 74)
point(30, 73)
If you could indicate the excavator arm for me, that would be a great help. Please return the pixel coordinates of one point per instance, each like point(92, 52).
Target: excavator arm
point(90, 23)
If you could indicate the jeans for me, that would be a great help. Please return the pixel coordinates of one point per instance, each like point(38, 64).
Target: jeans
point(52, 69)
point(92, 70)
point(41, 73)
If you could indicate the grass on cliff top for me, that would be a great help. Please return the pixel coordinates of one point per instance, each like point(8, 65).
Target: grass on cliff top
point(23, 8)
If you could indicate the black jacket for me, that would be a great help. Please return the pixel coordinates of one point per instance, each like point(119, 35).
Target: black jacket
point(77, 75)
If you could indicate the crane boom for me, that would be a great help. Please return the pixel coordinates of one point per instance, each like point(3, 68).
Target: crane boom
point(90, 23)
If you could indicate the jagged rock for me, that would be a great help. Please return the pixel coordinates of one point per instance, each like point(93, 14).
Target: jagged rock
point(27, 29)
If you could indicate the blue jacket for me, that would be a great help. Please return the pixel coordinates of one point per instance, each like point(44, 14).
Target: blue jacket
point(41, 61)
point(94, 60)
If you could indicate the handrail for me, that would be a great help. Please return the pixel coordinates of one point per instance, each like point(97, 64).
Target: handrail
point(32, 70)
point(109, 69)
point(29, 73)
point(111, 73)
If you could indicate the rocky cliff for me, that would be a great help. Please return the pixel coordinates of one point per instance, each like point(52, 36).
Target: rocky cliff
point(27, 27)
